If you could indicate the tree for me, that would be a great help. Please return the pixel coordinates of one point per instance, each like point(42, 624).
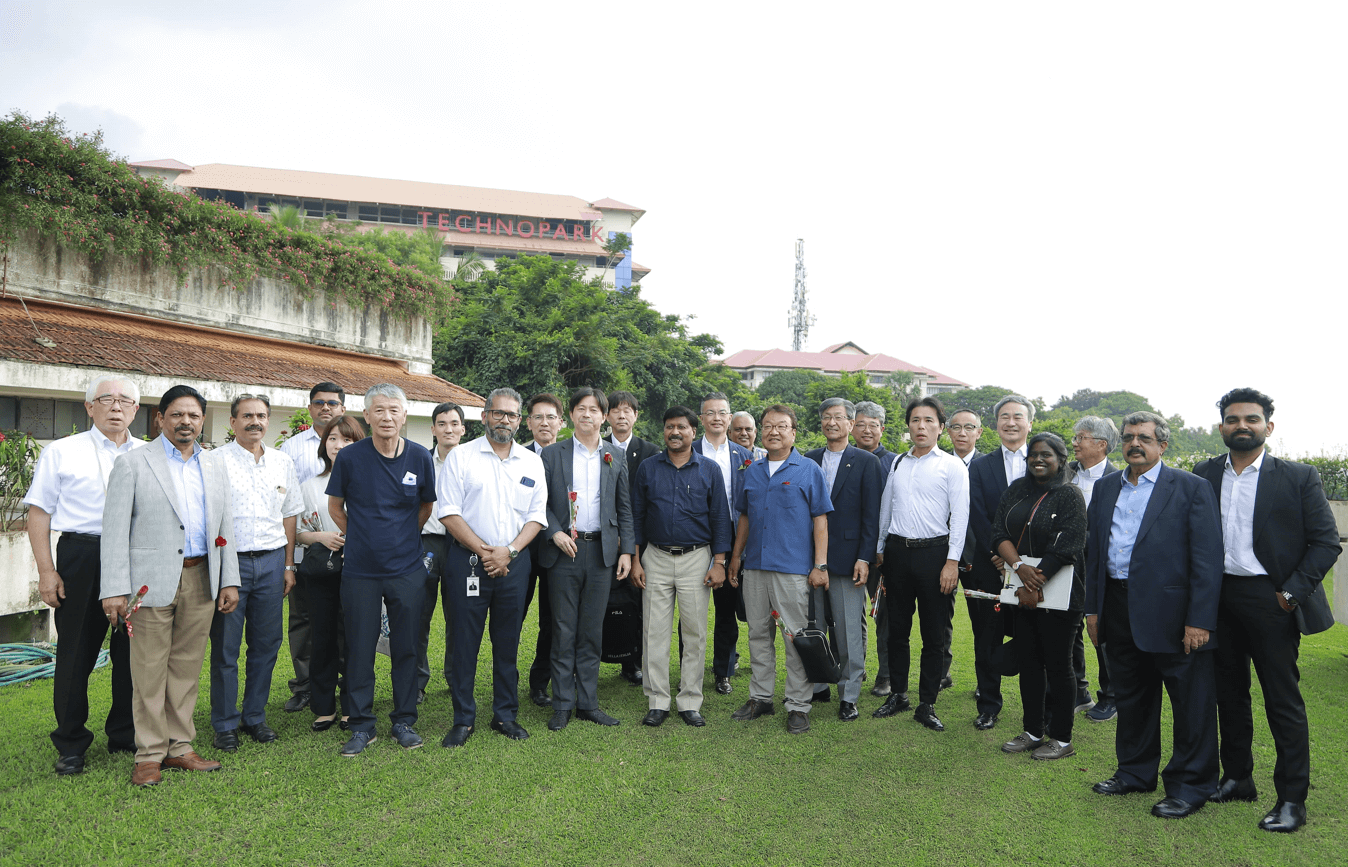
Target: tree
point(288, 216)
point(614, 250)
point(981, 400)
point(904, 385)
point(420, 249)
point(471, 266)
point(1082, 400)
point(788, 386)
point(856, 387)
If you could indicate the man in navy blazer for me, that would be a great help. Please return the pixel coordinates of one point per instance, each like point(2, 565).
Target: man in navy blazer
point(867, 429)
point(853, 476)
point(1153, 579)
point(1280, 539)
point(731, 458)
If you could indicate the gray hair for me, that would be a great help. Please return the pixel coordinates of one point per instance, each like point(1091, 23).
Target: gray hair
point(847, 405)
point(1100, 428)
point(1142, 417)
point(234, 404)
point(871, 409)
point(92, 391)
point(385, 389)
point(1014, 398)
point(748, 415)
point(503, 392)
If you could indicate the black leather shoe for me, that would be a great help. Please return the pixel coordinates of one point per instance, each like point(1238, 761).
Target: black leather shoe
point(596, 716)
point(1174, 808)
point(1235, 790)
point(797, 722)
point(896, 703)
point(559, 721)
point(654, 717)
point(510, 729)
point(985, 721)
point(753, 709)
point(821, 697)
point(344, 725)
point(847, 711)
point(114, 749)
point(1284, 818)
point(298, 702)
point(692, 718)
point(632, 676)
point(946, 683)
point(69, 766)
point(227, 742)
point(723, 685)
point(882, 687)
point(262, 733)
point(926, 714)
point(1115, 786)
point(457, 737)
point(322, 725)
point(540, 697)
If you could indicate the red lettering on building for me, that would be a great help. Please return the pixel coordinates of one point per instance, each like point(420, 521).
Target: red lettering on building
point(560, 234)
point(458, 223)
point(543, 228)
point(508, 225)
point(528, 234)
point(425, 215)
point(484, 226)
point(441, 222)
point(577, 233)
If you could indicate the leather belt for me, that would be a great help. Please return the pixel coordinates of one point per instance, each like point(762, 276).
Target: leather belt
point(189, 562)
point(594, 536)
point(253, 555)
point(922, 543)
point(680, 550)
point(86, 538)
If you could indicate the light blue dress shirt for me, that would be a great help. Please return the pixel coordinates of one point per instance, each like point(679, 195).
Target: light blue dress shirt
point(190, 486)
point(1128, 512)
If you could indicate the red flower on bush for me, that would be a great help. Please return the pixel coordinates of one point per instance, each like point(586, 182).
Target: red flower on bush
point(304, 427)
point(220, 542)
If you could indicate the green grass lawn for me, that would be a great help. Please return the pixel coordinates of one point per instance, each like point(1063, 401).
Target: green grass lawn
point(868, 792)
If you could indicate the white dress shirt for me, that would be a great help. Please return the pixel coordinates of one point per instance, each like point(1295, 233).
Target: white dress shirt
point(621, 444)
point(264, 493)
point(1085, 479)
point(71, 480)
point(1238, 492)
point(495, 497)
point(969, 458)
point(926, 497)
point(832, 460)
point(722, 458)
point(1014, 463)
point(302, 449)
point(433, 527)
point(585, 470)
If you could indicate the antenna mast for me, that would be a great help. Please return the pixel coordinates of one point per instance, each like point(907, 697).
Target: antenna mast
point(799, 319)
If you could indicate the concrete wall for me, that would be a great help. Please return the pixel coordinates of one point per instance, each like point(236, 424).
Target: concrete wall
point(18, 589)
point(40, 268)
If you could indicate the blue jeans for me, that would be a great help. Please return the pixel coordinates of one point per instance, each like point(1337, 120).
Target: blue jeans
point(403, 596)
point(261, 594)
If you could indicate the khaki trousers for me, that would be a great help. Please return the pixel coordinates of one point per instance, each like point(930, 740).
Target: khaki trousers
point(786, 594)
point(167, 651)
point(670, 579)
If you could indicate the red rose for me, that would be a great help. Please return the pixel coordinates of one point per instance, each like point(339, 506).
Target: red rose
point(220, 542)
point(608, 457)
point(572, 496)
point(747, 463)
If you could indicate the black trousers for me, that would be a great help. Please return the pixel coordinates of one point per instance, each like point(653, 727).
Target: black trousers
point(81, 627)
point(327, 626)
point(579, 589)
point(913, 581)
point(988, 628)
point(1253, 627)
point(503, 598)
point(1191, 773)
point(540, 670)
point(436, 545)
point(361, 598)
point(725, 636)
point(1044, 651)
point(299, 634)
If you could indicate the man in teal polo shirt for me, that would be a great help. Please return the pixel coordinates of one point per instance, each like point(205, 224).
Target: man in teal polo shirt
point(782, 540)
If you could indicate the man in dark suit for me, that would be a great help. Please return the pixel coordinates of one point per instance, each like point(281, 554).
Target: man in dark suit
point(731, 458)
point(589, 532)
point(623, 410)
point(1153, 578)
point(853, 478)
point(1280, 539)
point(543, 415)
point(1094, 438)
point(867, 429)
point(989, 477)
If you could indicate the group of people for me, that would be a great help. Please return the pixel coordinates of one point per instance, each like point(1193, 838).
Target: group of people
point(1179, 580)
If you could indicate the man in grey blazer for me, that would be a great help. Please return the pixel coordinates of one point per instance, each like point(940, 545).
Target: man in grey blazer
point(589, 531)
point(168, 526)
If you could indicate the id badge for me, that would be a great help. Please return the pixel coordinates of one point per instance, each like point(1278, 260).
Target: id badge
point(472, 575)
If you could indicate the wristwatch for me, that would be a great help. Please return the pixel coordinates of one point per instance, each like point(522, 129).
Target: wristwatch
point(822, 567)
point(1289, 599)
point(291, 569)
point(513, 552)
point(1015, 567)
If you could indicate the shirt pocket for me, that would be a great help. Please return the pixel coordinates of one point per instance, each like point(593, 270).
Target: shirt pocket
point(523, 499)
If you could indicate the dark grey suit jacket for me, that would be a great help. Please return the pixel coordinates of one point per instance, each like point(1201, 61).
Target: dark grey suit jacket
point(615, 502)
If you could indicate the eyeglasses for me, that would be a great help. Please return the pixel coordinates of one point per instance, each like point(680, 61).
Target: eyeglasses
point(333, 403)
point(716, 413)
point(548, 418)
point(109, 400)
point(970, 428)
point(1141, 438)
point(778, 428)
point(867, 426)
point(503, 415)
point(1079, 439)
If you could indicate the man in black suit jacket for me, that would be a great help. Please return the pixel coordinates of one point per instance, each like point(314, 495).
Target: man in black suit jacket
point(853, 530)
point(867, 429)
point(1280, 539)
point(1153, 577)
point(623, 410)
point(543, 415)
point(589, 532)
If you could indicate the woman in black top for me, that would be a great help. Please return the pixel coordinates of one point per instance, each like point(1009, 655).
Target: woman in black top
point(1041, 515)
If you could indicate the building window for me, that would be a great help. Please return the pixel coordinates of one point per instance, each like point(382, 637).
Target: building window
point(368, 213)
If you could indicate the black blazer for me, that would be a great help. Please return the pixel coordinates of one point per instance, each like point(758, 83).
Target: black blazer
point(854, 523)
point(1295, 536)
point(987, 483)
point(615, 502)
point(637, 451)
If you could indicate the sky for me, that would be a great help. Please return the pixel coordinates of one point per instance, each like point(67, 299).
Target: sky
point(1042, 196)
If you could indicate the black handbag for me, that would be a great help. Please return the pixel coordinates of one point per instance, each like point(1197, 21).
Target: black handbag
point(812, 647)
point(320, 562)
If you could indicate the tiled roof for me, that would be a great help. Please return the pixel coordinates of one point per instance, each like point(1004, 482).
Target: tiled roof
point(615, 205)
point(162, 164)
point(87, 337)
point(830, 361)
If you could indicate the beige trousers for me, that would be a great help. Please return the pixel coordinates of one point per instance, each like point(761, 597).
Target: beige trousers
point(670, 579)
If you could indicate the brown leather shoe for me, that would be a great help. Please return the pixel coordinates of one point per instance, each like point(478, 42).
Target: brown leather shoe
point(145, 774)
point(190, 761)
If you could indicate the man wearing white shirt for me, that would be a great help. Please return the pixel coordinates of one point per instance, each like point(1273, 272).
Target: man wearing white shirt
point(447, 424)
point(327, 401)
point(67, 494)
point(989, 477)
point(266, 502)
point(1094, 439)
point(924, 515)
point(490, 497)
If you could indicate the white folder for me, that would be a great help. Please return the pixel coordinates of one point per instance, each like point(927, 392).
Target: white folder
point(1057, 590)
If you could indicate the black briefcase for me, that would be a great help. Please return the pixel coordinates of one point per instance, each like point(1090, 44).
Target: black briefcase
point(812, 646)
point(622, 629)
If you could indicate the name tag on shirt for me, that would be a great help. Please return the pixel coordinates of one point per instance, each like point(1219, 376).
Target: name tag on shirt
point(410, 479)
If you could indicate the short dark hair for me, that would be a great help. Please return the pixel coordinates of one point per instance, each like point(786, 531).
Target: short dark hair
point(1246, 395)
point(180, 391)
point(328, 388)
point(618, 398)
point(682, 412)
point(349, 427)
point(588, 391)
point(715, 395)
point(543, 397)
point(240, 398)
point(929, 402)
point(1054, 442)
point(780, 409)
point(972, 412)
point(448, 406)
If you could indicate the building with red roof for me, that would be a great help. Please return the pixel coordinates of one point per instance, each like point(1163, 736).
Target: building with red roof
point(756, 365)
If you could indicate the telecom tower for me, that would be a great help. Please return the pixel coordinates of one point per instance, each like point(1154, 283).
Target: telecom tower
point(799, 319)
